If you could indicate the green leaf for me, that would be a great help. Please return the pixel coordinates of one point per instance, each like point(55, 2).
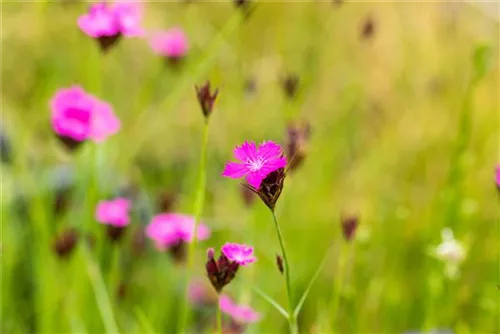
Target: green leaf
point(271, 301)
point(311, 282)
point(146, 325)
point(482, 61)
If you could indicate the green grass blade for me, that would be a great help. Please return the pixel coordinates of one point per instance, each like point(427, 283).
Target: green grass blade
point(271, 301)
point(146, 325)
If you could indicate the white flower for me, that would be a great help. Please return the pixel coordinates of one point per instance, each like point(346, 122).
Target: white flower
point(451, 252)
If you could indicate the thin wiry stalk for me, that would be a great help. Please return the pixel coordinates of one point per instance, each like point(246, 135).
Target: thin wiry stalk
point(198, 209)
point(338, 283)
point(219, 316)
point(292, 321)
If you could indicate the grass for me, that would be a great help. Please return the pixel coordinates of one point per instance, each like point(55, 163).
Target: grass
point(405, 133)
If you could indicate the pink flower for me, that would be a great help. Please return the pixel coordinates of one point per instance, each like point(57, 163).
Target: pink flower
point(79, 115)
point(72, 113)
point(240, 313)
point(114, 212)
point(241, 254)
point(168, 229)
point(497, 176)
point(119, 18)
point(171, 43)
point(99, 21)
point(255, 163)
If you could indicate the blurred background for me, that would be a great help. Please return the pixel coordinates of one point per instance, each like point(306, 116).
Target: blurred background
point(402, 104)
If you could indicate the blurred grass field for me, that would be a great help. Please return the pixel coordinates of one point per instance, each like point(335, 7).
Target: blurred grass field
point(402, 135)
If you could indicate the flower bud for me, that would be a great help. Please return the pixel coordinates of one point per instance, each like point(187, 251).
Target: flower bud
point(279, 262)
point(349, 227)
point(206, 98)
point(65, 243)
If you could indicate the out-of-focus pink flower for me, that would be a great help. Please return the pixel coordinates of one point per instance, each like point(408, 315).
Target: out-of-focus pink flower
point(241, 254)
point(255, 162)
point(169, 229)
point(171, 43)
point(200, 294)
point(107, 22)
point(72, 110)
point(497, 176)
point(100, 21)
point(114, 212)
point(129, 17)
point(239, 313)
point(79, 115)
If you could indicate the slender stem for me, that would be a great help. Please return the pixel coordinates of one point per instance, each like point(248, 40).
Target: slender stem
point(219, 316)
point(292, 321)
point(338, 282)
point(198, 209)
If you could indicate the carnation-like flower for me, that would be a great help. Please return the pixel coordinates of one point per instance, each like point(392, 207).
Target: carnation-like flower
point(451, 252)
point(107, 22)
point(171, 43)
point(241, 254)
point(169, 229)
point(256, 163)
point(78, 116)
point(240, 313)
point(114, 212)
point(222, 272)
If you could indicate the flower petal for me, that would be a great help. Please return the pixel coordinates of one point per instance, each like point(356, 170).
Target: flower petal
point(247, 150)
point(269, 150)
point(234, 170)
point(255, 179)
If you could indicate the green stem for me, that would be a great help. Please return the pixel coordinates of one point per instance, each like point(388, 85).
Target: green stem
point(335, 303)
point(219, 316)
point(198, 209)
point(292, 321)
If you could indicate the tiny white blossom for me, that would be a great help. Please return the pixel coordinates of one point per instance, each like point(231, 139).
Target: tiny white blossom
point(451, 252)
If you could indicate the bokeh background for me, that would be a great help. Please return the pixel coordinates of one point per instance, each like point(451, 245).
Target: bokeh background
point(402, 100)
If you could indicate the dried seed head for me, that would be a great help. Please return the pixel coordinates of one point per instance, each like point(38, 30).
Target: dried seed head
point(297, 139)
point(65, 243)
point(368, 28)
point(279, 262)
point(290, 85)
point(349, 227)
point(270, 188)
point(206, 98)
point(115, 233)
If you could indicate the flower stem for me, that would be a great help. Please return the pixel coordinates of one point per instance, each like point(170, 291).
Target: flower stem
point(198, 209)
point(219, 316)
point(338, 283)
point(292, 321)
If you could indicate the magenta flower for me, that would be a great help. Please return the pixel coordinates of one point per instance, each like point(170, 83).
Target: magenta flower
point(78, 116)
point(497, 176)
point(114, 212)
point(200, 294)
point(100, 21)
point(239, 313)
point(108, 22)
point(171, 43)
point(241, 254)
point(255, 163)
point(170, 229)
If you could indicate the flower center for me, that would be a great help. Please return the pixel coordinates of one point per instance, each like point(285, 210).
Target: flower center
point(255, 165)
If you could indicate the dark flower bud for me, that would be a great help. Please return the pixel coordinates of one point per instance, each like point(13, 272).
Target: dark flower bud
point(106, 42)
point(206, 98)
point(279, 262)
point(65, 243)
point(121, 290)
point(290, 84)
point(220, 272)
point(368, 28)
point(166, 201)
point(349, 227)
point(270, 188)
point(115, 233)
point(297, 138)
point(178, 252)
point(69, 143)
